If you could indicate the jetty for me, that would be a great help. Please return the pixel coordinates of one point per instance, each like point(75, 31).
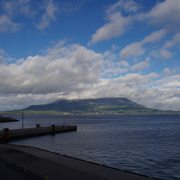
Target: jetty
point(6, 134)
point(7, 119)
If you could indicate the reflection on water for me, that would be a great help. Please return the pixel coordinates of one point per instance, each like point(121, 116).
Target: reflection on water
point(143, 144)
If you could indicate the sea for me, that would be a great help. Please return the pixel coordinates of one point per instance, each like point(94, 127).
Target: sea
point(144, 144)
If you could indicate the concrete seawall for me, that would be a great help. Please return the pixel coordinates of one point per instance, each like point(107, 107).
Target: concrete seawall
point(48, 165)
point(7, 135)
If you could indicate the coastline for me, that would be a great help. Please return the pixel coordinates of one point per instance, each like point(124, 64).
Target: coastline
point(168, 112)
point(41, 163)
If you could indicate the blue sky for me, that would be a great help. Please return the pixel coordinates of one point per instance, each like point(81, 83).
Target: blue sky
point(52, 49)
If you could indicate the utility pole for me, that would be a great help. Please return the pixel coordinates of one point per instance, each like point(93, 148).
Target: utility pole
point(22, 120)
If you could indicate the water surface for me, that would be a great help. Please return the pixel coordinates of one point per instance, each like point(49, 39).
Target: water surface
point(146, 144)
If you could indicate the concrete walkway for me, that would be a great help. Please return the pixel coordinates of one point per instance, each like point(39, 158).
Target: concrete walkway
point(41, 164)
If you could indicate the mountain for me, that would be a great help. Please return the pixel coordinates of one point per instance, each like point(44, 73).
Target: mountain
point(95, 106)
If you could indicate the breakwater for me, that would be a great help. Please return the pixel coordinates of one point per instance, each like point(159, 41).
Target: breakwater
point(6, 134)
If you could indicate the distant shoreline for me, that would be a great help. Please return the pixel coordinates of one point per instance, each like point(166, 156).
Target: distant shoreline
point(93, 113)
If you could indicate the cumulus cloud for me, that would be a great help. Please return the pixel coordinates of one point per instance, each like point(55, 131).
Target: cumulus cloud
point(169, 82)
point(63, 68)
point(73, 71)
point(20, 101)
point(129, 86)
point(143, 89)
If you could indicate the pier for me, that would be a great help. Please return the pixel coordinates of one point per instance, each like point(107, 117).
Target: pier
point(6, 134)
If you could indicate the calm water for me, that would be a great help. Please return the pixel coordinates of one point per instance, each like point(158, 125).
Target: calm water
point(148, 145)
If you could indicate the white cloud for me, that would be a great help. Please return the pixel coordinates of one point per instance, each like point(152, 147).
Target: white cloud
point(4, 57)
point(155, 36)
point(15, 7)
point(73, 71)
point(20, 101)
point(165, 54)
point(11, 9)
point(6, 25)
point(49, 15)
point(141, 89)
point(133, 49)
point(124, 63)
point(164, 51)
point(175, 40)
point(113, 72)
point(166, 14)
point(141, 65)
point(126, 5)
point(117, 23)
point(165, 99)
point(169, 82)
point(137, 49)
point(62, 69)
point(166, 71)
point(172, 84)
point(115, 27)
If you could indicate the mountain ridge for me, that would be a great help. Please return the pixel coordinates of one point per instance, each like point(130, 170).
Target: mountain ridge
point(96, 106)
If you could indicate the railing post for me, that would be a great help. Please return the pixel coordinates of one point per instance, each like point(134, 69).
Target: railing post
point(38, 125)
point(6, 132)
point(53, 128)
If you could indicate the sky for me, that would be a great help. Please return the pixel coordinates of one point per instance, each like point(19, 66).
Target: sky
point(79, 49)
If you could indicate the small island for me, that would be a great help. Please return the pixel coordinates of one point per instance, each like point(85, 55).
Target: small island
point(7, 119)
